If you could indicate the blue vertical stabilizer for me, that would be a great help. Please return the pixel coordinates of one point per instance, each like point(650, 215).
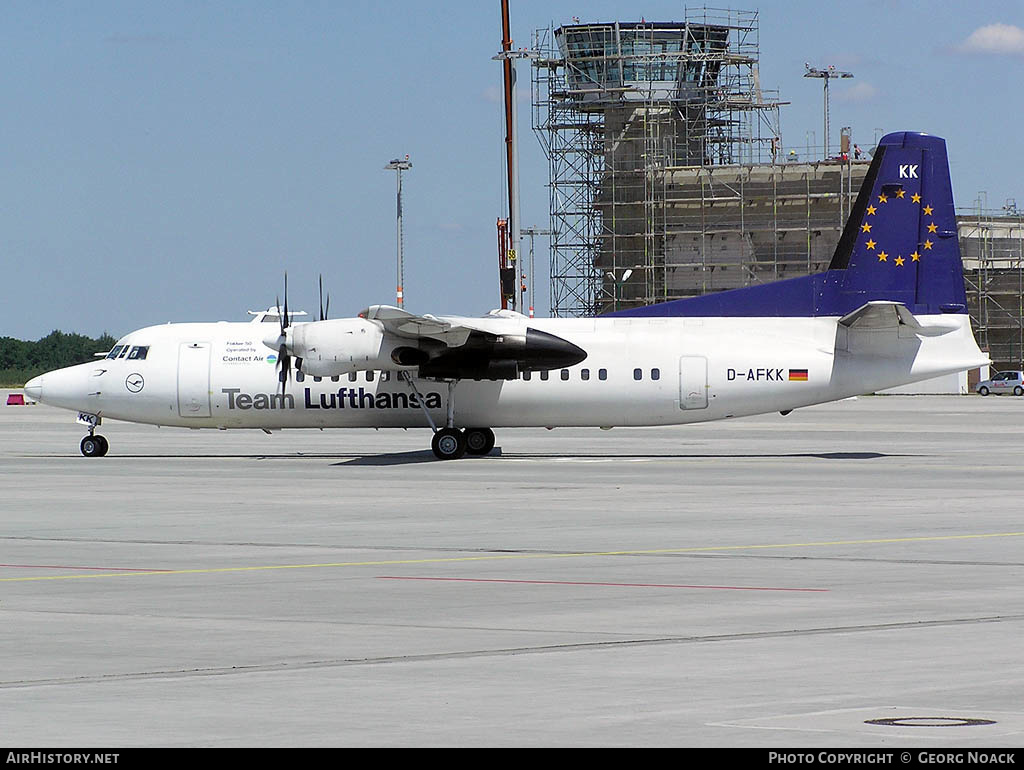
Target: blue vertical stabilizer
point(899, 244)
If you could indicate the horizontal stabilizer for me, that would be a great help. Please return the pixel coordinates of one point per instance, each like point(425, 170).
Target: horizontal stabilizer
point(882, 315)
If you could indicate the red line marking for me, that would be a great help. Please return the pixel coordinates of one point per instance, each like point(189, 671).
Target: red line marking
point(65, 566)
point(616, 585)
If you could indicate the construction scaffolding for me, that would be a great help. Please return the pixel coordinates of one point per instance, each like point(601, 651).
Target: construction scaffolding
point(992, 248)
point(625, 112)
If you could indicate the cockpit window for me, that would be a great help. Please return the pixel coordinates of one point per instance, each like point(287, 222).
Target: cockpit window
point(125, 351)
point(139, 353)
point(116, 351)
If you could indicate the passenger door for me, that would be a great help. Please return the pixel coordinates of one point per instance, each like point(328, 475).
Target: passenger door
point(693, 382)
point(194, 379)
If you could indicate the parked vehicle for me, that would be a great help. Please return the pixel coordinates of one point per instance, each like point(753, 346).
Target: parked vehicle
point(1003, 382)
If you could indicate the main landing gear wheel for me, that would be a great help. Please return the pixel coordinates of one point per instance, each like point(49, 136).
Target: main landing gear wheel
point(448, 444)
point(94, 446)
point(479, 441)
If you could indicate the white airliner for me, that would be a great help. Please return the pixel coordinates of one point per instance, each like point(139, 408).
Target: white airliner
point(891, 309)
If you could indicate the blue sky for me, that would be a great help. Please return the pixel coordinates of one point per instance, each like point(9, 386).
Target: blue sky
point(168, 161)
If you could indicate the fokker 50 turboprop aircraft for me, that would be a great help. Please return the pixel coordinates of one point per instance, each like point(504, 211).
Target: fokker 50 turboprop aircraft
point(891, 309)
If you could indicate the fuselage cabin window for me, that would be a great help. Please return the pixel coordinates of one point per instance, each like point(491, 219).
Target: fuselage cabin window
point(602, 374)
point(369, 376)
point(584, 374)
point(638, 374)
point(543, 375)
point(318, 379)
point(335, 378)
point(300, 377)
point(527, 374)
point(385, 376)
point(351, 376)
point(565, 374)
point(655, 374)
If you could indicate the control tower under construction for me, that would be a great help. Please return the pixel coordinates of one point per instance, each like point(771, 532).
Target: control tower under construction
point(668, 176)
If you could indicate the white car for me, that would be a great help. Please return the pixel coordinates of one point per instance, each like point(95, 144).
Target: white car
point(1003, 382)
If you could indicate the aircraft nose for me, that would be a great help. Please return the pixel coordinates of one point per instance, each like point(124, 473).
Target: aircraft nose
point(66, 388)
point(34, 388)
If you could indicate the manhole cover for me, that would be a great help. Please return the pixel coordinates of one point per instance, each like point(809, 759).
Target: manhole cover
point(929, 722)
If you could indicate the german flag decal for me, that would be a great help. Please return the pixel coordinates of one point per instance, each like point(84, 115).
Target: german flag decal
point(798, 375)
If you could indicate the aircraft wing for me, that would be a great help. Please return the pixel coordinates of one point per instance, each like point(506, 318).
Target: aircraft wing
point(404, 324)
point(499, 346)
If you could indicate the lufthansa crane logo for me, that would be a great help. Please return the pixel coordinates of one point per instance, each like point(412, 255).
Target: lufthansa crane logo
point(134, 382)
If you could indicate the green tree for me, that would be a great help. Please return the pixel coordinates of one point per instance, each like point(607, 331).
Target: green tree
point(22, 360)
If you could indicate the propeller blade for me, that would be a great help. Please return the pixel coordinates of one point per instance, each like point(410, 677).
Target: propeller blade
point(323, 316)
point(284, 362)
point(287, 318)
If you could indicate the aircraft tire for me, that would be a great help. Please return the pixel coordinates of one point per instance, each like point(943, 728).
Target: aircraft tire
point(479, 441)
point(94, 446)
point(448, 444)
point(983, 390)
point(1018, 391)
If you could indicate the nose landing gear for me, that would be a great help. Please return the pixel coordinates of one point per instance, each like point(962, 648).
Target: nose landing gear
point(94, 445)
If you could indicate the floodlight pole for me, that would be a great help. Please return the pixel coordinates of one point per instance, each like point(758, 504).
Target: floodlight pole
point(508, 57)
point(532, 231)
point(826, 75)
point(398, 165)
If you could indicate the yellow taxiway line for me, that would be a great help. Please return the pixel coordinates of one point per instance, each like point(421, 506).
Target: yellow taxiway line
point(505, 557)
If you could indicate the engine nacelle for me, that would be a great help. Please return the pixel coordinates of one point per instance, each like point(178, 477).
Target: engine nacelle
point(345, 345)
point(329, 348)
